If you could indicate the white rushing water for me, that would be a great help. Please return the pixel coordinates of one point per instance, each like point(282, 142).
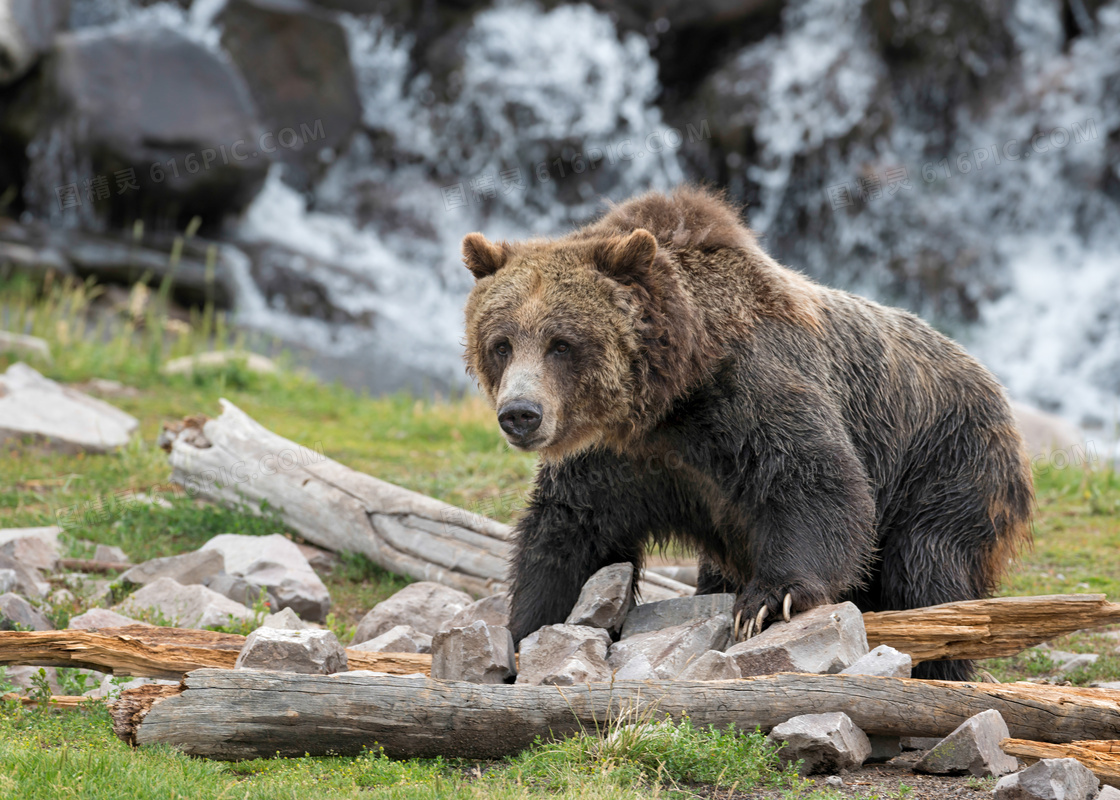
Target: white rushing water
point(1031, 238)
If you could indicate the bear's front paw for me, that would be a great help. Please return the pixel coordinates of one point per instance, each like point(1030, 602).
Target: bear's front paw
point(755, 608)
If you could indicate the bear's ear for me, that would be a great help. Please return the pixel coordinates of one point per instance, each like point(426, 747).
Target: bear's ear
point(481, 256)
point(627, 258)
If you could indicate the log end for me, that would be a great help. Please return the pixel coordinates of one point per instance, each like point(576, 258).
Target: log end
point(134, 704)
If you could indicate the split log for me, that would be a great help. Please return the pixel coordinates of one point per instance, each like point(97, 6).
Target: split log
point(148, 651)
point(236, 461)
point(247, 714)
point(1001, 626)
point(1101, 757)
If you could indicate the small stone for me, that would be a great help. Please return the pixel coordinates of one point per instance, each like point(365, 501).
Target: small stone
point(184, 606)
point(834, 780)
point(712, 666)
point(1109, 793)
point(398, 639)
point(308, 652)
point(92, 589)
point(1049, 779)
point(649, 617)
point(493, 610)
point(424, 605)
point(187, 569)
point(605, 598)
point(883, 748)
point(565, 655)
point(919, 742)
point(101, 618)
point(884, 661)
point(670, 650)
point(60, 598)
point(973, 747)
point(285, 619)
point(23, 345)
point(35, 548)
point(823, 640)
point(476, 654)
point(16, 614)
point(822, 742)
point(276, 563)
point(111, 553)
point(240, 590)
point(216, 359)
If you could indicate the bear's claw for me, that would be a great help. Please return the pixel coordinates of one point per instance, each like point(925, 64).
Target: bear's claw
point(754, 625)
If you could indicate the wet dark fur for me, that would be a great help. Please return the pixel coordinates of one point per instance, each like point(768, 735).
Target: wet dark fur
point(802, 439)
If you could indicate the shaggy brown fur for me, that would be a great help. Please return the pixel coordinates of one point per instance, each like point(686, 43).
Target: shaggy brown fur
point(679, 383)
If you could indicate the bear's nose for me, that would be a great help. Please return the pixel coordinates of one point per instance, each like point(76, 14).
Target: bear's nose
point(519, 417)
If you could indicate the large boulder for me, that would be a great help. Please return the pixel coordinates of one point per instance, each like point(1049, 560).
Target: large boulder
point(33, 547)
point(147, 100)
point(27, 28)
point(296, 61)
point(277, 564)
point(61, 417)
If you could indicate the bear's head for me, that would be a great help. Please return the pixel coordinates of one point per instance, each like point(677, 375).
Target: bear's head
point(580, 341)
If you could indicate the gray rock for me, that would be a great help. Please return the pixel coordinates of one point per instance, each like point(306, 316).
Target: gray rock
point(823, 640)
point(187, 569)
point(240, 590)
point(605, 598)
point(101, 618)
point(1049, 779)
point(885, 661)
point(424, 605)
point(493, 610)
point(36, 548)
point(637, 668)
point(322, 561)
point(111, 553)
point(8, 580)
point(398, 639)
point(91, 588)
point(63, 418)
point(564, 655)
point(824, 743)
point(711, 666)
point(308, 652)
point(62, 597)
point(670, 650)
point(184, 606)
point(28, 580)
point(276, 563)
point(973, 747)
point(285, 619)
point(1109, 793)
point(663, 614)
point(16, 614)
point(27, 28)
point(919, 742)
point(477, 654)
point(883, 748)
point(1069, 662)
point(18, 343)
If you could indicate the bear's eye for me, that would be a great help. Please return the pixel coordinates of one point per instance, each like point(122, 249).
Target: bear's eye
point(502, 349)
point(561, 347)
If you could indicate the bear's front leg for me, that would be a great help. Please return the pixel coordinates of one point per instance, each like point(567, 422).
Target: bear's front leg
point(586, 513)
point(808, 535)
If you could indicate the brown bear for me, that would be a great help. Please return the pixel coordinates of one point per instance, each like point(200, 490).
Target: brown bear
point(679, 384)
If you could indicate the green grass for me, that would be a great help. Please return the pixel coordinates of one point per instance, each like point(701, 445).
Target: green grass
point(447, 448)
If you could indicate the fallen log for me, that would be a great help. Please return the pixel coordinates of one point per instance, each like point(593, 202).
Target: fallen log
point(1001, 626)
point(60, 701)
point(234, 460)
point(90, 565)
point(247, 714)
point(148, 651)
point(1101, 757)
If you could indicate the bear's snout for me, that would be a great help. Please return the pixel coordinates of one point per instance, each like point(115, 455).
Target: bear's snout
point(519, 418)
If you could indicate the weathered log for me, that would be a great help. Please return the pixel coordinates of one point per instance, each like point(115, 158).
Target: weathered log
point(236, 461)
point(148, 651)
point(247, 714)
point(1101, 757)
point(1001, 626)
